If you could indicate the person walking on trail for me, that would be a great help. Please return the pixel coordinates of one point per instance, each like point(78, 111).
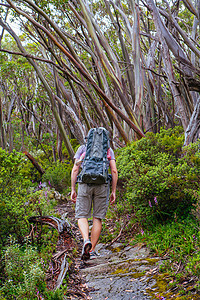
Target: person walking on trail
point(93, 187)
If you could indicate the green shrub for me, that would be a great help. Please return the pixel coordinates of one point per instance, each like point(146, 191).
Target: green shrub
point(13, 187)
point(196, 210)
point(24, 273)
point(159, 178)
point(59, 175)
point(18, 200)
point(40, 202)
point(178, 238)
point(22, 266)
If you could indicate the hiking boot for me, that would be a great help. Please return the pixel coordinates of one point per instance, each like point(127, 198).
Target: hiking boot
point(94, 254)
point(86, 250)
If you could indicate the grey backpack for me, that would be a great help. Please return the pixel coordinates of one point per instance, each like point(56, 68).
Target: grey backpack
point(95, 163)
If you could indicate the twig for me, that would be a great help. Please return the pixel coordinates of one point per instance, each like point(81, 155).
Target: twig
point(178, 268)
point(57, 255)
point(31, 232)
point(33, 57)
point(116, 238)
point(6, 5)
point(78, 292)
point(160, 75)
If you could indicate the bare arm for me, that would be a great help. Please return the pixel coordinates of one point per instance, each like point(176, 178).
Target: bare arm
point(114, 173)
point(74, 175)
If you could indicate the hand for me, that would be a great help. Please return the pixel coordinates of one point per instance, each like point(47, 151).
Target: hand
point(112, 198)
point(73, 196)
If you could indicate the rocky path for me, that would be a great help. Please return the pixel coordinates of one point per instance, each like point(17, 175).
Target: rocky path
point(123, 273)
point(120, 272)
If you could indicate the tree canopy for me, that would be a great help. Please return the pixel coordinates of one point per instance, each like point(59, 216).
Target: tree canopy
point(130, 66)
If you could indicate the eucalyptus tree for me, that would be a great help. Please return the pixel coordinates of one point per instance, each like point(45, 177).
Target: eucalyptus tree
point(72, 57)
point(24, 112)
point(131, 66)
point(179, 43)
point(165, 50)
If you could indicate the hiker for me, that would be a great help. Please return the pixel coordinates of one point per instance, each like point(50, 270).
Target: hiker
point(93, 189)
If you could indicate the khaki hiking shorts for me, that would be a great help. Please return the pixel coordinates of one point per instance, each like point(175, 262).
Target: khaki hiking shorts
point(92, 197)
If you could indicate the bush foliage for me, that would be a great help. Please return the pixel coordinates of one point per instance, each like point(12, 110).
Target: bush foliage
point(22, 264)
point(178, 241)
point(13, 186)
point(58, 174)
point(19, 198)
point(24, 272)
point(160, 176)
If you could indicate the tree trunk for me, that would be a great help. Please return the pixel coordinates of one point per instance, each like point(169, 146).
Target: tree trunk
point(10, 132)
point(1, 127)
point(192, 133)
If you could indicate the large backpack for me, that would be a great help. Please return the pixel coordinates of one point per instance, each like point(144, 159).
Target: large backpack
point(95, 163)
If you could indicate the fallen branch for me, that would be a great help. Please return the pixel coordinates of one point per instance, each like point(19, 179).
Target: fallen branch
point(59, 225)
point(34, 162)
point(63, 271)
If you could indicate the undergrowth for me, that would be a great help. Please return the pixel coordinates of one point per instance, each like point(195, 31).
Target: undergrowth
point(159, 177)
point(179, 243)
point(25, 251)
point(25, 272)
point(158, 202)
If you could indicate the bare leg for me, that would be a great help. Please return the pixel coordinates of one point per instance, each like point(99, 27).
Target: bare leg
point(84, 228)
point(96, 231)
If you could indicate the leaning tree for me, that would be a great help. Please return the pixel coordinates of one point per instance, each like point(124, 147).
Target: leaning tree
point(130, 66)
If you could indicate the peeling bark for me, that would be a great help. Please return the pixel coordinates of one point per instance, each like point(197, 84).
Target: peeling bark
point(192, 133)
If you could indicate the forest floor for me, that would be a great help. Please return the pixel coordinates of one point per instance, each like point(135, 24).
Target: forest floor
point(121, 272)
